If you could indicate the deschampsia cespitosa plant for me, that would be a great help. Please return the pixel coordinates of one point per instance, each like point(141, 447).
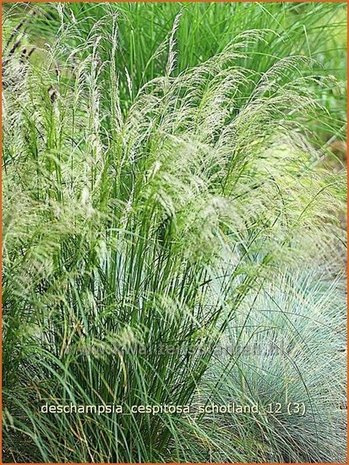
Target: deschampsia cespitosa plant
point(190, 215)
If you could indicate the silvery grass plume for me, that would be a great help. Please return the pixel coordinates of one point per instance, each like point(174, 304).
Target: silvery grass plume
point(316, 30)
point(130, 230)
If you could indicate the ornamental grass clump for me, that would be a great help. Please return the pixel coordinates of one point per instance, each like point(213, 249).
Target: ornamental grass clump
point(278, 346)
point(135, 236)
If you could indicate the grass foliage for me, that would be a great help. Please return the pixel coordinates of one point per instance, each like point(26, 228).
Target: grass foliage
point(182, 208)
point(317, 31)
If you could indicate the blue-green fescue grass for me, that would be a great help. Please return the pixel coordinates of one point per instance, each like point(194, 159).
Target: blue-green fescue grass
point(274, 355)
point(152, 223)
